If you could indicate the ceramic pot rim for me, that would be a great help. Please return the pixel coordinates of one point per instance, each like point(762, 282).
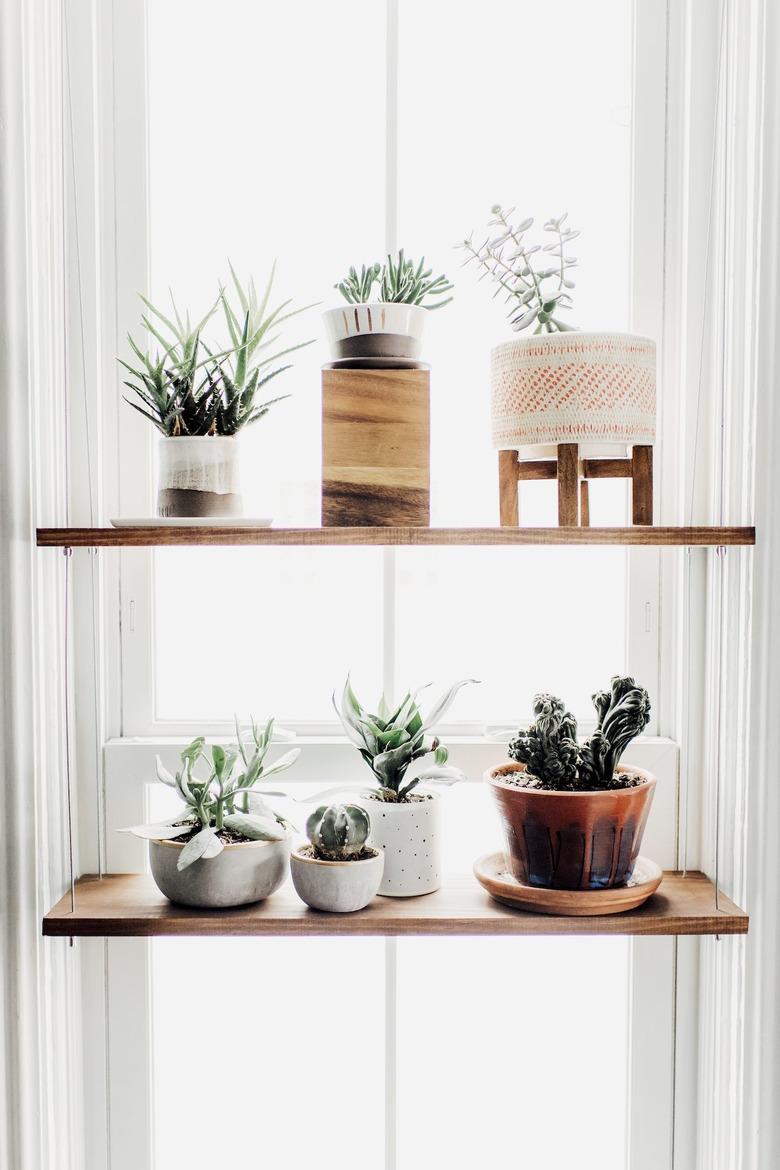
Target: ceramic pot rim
point(368, 794)
point(497, 782)
point(551, 339)
point(405, 305)
point(298, 856)
point(232, 845)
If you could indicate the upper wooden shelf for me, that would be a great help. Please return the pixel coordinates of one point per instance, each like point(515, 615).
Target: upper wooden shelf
point(130, 905)
point(216, 535)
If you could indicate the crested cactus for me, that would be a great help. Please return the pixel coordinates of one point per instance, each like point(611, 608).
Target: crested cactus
point(623, 713)
point(549, 747)
point(338, 832)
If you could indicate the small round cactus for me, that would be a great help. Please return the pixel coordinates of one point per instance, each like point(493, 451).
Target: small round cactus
point(338, 832)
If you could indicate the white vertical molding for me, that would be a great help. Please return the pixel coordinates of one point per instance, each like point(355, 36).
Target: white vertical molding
point(40, 1107)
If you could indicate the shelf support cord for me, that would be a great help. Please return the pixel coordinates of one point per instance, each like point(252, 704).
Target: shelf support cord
point(67, 554)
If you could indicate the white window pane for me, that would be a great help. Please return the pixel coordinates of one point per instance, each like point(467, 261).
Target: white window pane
point(264, 631)
point(513, 120)
point(256, 1045)
point(513, 1052)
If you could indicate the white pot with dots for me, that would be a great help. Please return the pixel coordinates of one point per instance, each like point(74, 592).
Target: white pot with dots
point(409, 834)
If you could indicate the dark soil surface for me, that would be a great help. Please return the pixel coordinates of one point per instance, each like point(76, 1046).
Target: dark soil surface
point(524, 780)
point(412, 798)
point(365, 854)
point(226, 836)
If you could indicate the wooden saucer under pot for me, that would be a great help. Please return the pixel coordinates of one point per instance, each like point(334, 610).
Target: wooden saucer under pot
point(492, 872)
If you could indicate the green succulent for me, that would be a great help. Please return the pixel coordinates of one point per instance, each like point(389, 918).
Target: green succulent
point(223, 798)
point(338, 832)
point(400, 281)
point(391, 740)
point(186, 388)
point(549, 747)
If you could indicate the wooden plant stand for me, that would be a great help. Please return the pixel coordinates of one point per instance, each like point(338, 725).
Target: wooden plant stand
point(573, 474)
point(375, 447)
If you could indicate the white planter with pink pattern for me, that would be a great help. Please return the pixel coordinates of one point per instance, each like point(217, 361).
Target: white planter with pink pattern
point(595, 389)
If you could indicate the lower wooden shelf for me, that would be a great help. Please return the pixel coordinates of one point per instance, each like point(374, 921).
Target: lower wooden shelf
point(130, 905)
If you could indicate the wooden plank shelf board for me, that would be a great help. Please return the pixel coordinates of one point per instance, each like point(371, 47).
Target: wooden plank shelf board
point(130, 905)
point(356, 535)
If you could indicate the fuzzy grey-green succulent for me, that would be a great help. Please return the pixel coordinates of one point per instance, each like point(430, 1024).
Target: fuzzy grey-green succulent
point(188, 388)
point(536, 295)
point(549, 747)
point(223, 798)
point(338, 832)
point(391, 740)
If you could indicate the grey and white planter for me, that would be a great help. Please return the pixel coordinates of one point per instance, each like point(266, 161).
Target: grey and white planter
point(340, 887)
point(594, 389)
point(199, 476)
point(244, 872)
point(410, 836)
point(380, 329)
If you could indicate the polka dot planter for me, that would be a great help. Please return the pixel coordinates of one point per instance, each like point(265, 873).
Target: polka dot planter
point(410, 836)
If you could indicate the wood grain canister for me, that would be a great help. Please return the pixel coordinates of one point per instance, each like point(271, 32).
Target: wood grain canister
point(375, 447)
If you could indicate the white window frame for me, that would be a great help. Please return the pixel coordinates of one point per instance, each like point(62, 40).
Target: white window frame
point(128, 583)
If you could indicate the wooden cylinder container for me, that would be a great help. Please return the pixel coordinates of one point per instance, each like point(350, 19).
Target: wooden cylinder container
point(375, 447)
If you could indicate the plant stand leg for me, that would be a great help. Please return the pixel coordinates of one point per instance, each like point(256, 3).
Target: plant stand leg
point(509, 508)
point(642, 485)
point(584, 503)
point(568, 484)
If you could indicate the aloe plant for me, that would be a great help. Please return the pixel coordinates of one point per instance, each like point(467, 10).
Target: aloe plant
point(224, 798)
point(187, 388)
point(536, 295)
point(391, 740)
point(549, 747)
point(400, 280)
point(338, 832)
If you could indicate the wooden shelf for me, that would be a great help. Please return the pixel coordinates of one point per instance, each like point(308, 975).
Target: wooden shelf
point(215, 535)
point(130, 905)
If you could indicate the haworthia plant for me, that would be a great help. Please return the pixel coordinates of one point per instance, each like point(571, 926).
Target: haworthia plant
point(338, 832)
point(536, 293)
point(393, 739)
point(549, 747)
point(400, 280)
point(224, 798)
point(187, 388)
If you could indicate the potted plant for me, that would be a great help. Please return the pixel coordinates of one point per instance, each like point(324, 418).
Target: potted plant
point(226, 847)
point(200, 398)
point(405, 817)
point(558, 385)
point(338, 870)
point(387, 327)
point(572, 815)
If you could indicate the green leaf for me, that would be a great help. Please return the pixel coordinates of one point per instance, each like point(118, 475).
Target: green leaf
point(257, 828)
point(205, 844)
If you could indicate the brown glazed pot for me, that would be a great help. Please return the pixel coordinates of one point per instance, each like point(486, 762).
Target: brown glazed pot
point(571, 840)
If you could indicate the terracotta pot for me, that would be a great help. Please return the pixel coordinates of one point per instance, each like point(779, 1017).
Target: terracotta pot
point(571, 840)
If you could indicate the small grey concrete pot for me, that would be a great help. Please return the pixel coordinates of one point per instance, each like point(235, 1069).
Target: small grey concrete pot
point(337, 886)
point(245, 872)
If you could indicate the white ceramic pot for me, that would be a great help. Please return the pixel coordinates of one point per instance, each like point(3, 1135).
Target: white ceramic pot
point(337, 886)
point(410, 835)
point(380, 329)
point(594, 389)
point(247, 871)
point(199, 476)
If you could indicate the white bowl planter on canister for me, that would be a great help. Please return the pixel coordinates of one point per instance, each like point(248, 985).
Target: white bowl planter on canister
point(594, 389)
point(382, 329)
point(410, 836)
point(340, 887)
point(244, 872)
point(199, 476)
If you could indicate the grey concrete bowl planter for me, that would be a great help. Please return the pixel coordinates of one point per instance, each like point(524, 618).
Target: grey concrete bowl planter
point(244, 872)
point(339, 887)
